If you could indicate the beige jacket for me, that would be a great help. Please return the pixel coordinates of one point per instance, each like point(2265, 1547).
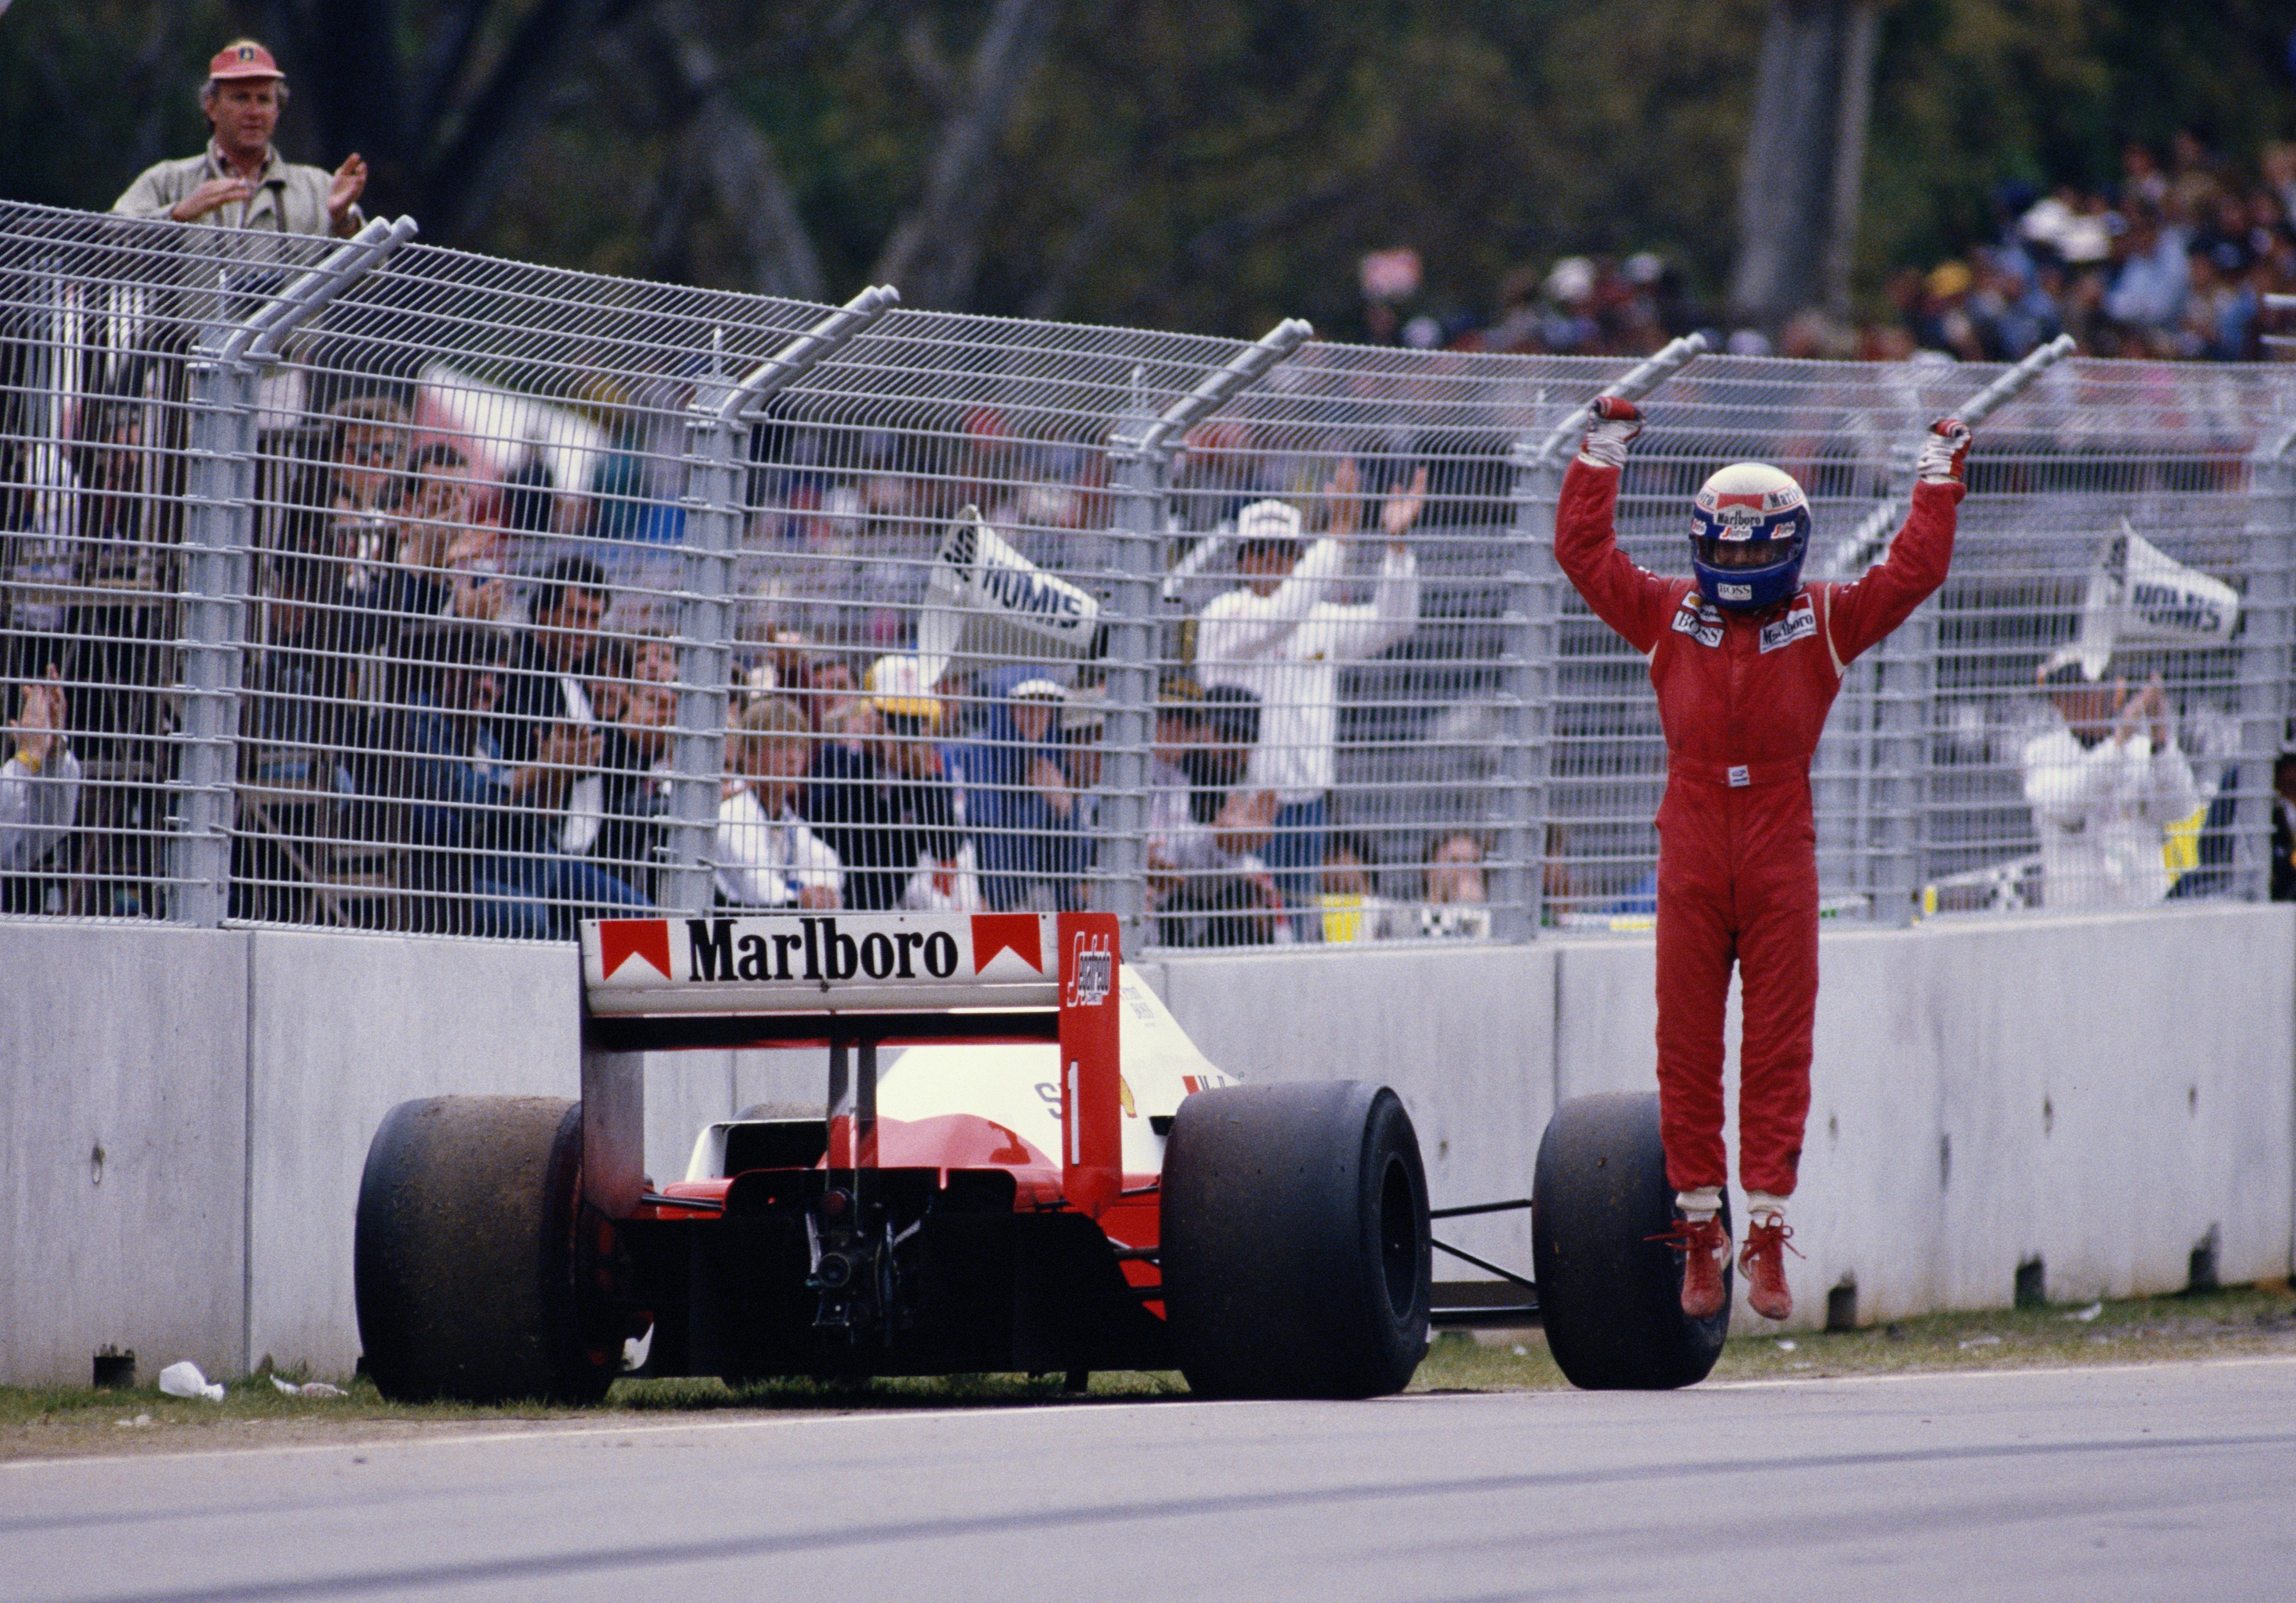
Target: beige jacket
point(289, 199)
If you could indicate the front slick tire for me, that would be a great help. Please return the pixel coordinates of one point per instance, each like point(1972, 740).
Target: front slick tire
point(466, 1262)
point(1294, 1249)
point(1611, 1297)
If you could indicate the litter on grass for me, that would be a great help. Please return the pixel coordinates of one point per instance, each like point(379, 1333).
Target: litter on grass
point(183, 1379)
point(2087, 1314)
point(1981, 1341)
point(309, 1389)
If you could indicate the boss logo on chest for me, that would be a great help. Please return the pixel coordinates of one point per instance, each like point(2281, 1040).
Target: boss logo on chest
point(1698, 618)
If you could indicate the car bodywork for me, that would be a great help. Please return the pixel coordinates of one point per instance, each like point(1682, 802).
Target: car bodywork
point(979, 1190)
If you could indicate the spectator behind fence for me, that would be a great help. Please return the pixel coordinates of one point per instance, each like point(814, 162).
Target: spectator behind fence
point(550, 733)
point(638, 699)
point(1171, 829)
point(367, 445)
point(464, 829)
point(766, 856)
point(2104, 786)
point(39, 797)
point(1278, 636)
point(1455, 897)
point(881, 803)
point(2284, 827)
point(450, 770)
point(430, 506)
point(1353, 908)
point(1220, 893)
point(1076, 807)
point(834, 704)
point(303, 737)
point(1016, 798)
point(238, 181)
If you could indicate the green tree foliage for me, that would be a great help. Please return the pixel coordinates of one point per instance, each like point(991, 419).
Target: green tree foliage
point(1973, 95)
point(1176, 163)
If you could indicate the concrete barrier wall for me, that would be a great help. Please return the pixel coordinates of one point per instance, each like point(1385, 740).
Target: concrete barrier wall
point(2102, 1094)
point(132, 1043)
point(341, 1028)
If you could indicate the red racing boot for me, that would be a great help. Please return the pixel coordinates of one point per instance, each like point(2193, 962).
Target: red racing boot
point(1705, 1249)
point(1769, 1239)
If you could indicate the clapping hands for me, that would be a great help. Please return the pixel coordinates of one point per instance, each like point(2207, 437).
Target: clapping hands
point(1397, 514)
point(40, 721)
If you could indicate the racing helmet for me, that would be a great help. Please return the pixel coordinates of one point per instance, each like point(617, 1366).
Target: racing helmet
point(1749, 532)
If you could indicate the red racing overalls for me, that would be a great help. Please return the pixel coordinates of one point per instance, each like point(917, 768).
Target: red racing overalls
point(1743, 698)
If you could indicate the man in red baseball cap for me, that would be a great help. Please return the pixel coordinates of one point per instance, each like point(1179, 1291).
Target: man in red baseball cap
point(238, 181)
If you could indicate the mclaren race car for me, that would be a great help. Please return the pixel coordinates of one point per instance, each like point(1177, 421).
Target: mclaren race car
point(1022, 1163)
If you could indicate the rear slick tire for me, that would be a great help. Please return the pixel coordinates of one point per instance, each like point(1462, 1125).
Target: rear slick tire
point(1294, 1245)
point(464, 1259)
point(1610, 1296)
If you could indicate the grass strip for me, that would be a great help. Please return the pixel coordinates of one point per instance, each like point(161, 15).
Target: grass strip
point(46, 1421)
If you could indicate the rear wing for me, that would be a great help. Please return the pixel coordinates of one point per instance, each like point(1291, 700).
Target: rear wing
point(849, 982)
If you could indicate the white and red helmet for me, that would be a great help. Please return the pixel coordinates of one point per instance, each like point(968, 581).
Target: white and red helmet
point(1749, 532)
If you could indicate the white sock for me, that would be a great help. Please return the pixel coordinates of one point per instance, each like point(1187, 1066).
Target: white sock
point(1700, 1204)
point(1759, 1204)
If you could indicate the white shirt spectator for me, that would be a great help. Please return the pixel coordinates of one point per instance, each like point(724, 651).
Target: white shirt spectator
point(2103, 813)
point(37, 807)
point(1287, 649)
point(770, 861)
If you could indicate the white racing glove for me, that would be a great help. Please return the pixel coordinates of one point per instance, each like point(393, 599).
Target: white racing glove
point(1615, 423)
point(1944, 451)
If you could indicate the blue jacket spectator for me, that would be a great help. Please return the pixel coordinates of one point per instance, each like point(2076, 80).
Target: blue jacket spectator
point(1015, 779)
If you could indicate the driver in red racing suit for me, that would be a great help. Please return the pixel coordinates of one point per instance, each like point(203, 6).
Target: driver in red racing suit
point(1746, 661)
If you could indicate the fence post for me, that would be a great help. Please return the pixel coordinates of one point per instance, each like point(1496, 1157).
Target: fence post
point(1531, 625)
point(2268, 634)
point(1138, 480)
point(219, 528)
point(1903, 683)
point(1139, 456)
point(718, 424)
point(1530, 629)
point(218, 541)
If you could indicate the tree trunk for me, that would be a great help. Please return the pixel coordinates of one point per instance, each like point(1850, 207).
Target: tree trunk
point(934, 253)
point(1805, 159)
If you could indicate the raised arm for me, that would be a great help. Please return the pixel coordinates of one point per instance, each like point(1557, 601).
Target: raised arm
point(1629, 597)
point(1861, 613)
point(1354, 633)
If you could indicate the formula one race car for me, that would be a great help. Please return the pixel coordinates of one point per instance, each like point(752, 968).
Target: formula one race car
point(1042, 1174)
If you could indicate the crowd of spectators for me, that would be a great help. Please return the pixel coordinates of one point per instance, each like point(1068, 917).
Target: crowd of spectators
point(2171, 261)
point(460, 712)
point(462, 698)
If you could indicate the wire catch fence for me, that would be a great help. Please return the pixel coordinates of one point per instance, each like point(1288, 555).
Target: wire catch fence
point(366, 584)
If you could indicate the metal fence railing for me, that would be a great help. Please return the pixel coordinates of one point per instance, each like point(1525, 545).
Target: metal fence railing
point(363, 583)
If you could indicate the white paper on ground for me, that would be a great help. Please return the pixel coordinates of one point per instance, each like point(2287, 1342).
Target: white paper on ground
point(183, 1379)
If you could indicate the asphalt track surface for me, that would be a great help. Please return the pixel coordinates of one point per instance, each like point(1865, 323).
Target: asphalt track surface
point(2163, 1482)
